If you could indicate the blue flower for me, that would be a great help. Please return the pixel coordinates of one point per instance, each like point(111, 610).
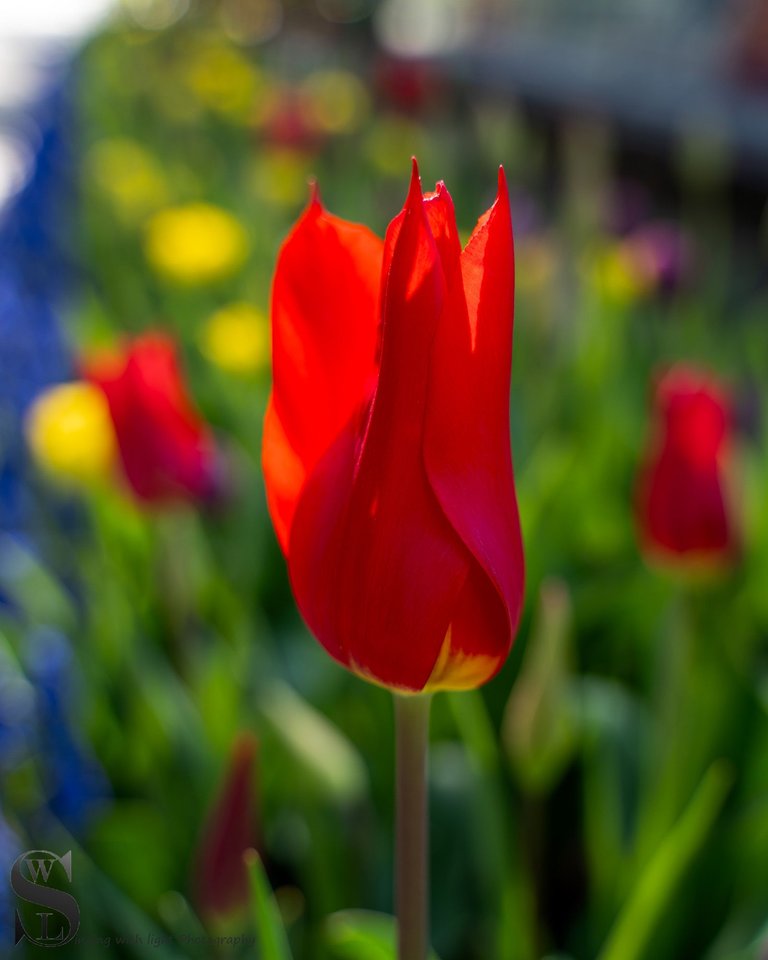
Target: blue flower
point(35, 271)
point(10, 848)
point(17, 712)
point(75, 784)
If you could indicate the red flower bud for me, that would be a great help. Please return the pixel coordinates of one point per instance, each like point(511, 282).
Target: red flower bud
point(167, 450)
point(221, 877)
point(682, 505)
point(387, 444)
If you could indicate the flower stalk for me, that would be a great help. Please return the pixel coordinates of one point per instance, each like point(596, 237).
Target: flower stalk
point(411, 855)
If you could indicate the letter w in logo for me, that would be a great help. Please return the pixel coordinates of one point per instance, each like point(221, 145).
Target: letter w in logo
point(39, 868)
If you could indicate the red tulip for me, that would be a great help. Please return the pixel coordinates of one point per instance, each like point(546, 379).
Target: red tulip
point(221, 877)
point(409, 85)
point(387, 443)
point(286, 124)
point(750, 50)
point(682, 505)
point(167, 451)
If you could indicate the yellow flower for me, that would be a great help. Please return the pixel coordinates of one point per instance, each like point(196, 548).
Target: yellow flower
point(196, 243)
point(70, 434)
point(335, 101)
point(224, 80)
point(236, 338)
point(128, 176)
point(281, 175)
point(613, 273)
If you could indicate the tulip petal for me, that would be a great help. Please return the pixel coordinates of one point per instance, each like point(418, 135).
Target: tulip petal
point(389, 524)
point(684, 507)
point(438, 207)
point(324, 326)
point(467, 440)
point(166, 449)
point(683, 500)
point(317, 536)
point(474, 647)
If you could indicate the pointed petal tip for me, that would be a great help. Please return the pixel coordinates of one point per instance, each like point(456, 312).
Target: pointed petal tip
point(414, 189)
point(314, 195)
point(503, 189)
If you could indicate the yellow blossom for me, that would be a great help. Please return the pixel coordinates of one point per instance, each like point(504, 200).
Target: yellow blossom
point(334, 101)
point(70, 434)
point(236, 338)
point(196, 243)
point(613, 273)
point(224, 80)
point(281, 175)
point(128, 176)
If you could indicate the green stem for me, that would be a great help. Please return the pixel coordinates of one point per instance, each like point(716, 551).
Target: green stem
point(412, 883)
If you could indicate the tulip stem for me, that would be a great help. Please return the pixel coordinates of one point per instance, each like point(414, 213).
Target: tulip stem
point(412, 874)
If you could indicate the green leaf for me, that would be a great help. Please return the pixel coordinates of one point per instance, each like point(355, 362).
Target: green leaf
point(33, 587)
point(127, 827)
point(504, 876)
point(363, 935)
point(273, 942)
point(327, 758)
point(108, 913)
point(656, 886)
point(540, 719)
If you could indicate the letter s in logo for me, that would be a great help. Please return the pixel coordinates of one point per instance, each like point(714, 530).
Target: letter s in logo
point(35, 889)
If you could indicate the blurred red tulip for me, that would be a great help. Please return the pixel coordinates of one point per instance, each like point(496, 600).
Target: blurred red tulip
point(409, 85)
point(286, 124)
point(750, 48)
point(221, 877)
point(387, 441)
point(682, 505)
point(167, 450)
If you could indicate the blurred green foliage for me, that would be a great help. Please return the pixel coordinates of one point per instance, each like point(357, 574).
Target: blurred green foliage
point(607, 794)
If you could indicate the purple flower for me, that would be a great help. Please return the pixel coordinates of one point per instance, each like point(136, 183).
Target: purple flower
point(663, 253)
